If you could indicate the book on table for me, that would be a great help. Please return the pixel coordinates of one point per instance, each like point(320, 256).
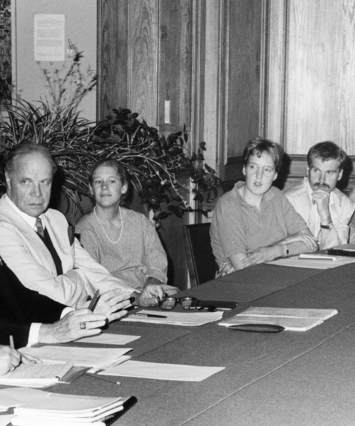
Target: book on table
point(293, 319)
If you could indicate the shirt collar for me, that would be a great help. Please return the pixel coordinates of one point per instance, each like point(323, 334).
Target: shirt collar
point(30, 220)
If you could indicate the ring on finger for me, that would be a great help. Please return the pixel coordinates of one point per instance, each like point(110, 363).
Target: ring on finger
point(82, 325)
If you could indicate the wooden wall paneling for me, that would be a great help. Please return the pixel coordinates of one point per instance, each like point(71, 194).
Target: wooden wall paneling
point(174, 84)
point(244, 71)
point(143, 43)
point(112, 56)
point(215, 82)
point(175, 63)
point(321, 62)
point(276, 70)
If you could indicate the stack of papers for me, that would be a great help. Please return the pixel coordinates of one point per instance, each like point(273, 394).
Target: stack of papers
point(161, 371)
point(313, 261)
point(174, 318)
point(45, 408)
point(293, 319)
point(37, 375)
point(91, 357)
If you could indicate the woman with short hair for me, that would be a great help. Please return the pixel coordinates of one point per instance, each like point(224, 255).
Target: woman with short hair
point(254, 222)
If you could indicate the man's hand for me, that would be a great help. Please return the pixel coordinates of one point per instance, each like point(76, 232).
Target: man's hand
point(321, 199)
point(9, 359)
point(111, 305)
point(152, 294)
point(74, 325)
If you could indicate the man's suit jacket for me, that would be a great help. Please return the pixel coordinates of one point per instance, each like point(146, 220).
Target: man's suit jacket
point(19, 307)
point(28, 257)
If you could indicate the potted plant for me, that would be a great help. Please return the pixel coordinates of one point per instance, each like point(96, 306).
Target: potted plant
point(159, 166)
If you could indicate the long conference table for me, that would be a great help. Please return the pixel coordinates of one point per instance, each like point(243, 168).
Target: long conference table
point(288, 378)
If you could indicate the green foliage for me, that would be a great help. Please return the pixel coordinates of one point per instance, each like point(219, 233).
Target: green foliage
point(160, 166)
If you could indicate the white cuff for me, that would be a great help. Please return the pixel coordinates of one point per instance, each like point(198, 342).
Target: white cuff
point(65, 311)
point(33, 335)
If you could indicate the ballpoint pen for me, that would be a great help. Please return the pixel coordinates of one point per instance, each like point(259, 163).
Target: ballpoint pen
point(94, 300)
point(151, 315)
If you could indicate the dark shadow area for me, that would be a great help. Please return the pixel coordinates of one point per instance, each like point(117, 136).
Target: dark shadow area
point(347, 170)
point(283, 172)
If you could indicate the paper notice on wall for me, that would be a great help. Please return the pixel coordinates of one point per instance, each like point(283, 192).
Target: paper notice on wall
point(49, 37)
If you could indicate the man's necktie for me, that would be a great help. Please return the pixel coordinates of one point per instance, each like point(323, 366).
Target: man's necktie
point(43, 234)
point(39, 227)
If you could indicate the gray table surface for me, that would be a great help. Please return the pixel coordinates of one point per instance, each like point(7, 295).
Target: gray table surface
point(270, 379)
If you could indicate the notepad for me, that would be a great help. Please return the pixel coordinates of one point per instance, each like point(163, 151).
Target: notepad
point(293, 319)
point(162, 371)
point(36, 375)
point(79, 356)
point(189, 319)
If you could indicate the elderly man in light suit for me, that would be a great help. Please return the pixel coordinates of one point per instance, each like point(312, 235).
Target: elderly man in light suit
point(35, 246)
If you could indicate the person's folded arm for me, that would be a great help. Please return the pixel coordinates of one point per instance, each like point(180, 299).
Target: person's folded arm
point(238, 261)
point(65, 289)
point(302, 242)
point(96, 275)
point(333, 236)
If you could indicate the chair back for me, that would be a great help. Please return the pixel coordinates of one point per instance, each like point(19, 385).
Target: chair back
point(199, 257)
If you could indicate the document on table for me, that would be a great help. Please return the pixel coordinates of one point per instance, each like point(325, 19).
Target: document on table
point(38, 407)
point(314, 261)
point(79, 356)
point(36, 375)
point(293, 319)
point(162, 371)
point(189, 319)
point(109, 339)
point(5, 419)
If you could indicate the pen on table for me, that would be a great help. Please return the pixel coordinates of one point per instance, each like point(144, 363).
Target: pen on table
point(316, 257)
point(94, 301)
point(151, 315)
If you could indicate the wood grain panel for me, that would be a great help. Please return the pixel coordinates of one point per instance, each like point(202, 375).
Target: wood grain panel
point(244, 73)
point(175, 62)
point(143, 42)
point(276, 72)
point(321, 69)
point(112, 56)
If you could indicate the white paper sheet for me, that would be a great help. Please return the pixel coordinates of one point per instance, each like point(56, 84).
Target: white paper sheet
point(35, 375)
point(189, 319)
point(109, 339)
point(61, 404)
point(78, 356)
point(162, 371)
point(293, 319)
point(5, 419)
point(321, 314)
point(315, 263)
